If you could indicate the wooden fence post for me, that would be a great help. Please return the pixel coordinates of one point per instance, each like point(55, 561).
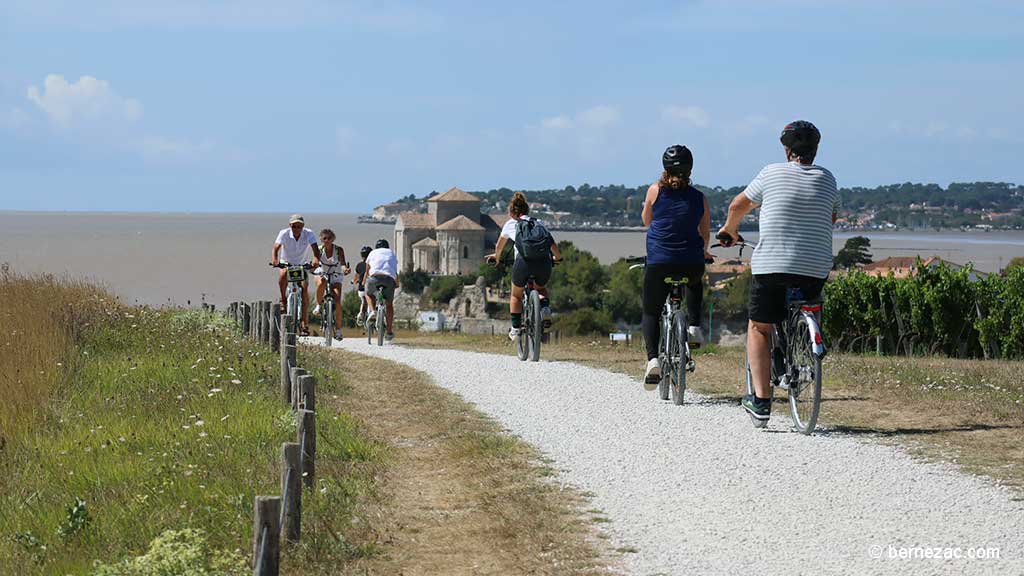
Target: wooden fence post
point(266, 536)
point(267, 337)
point(307, 393)
point(291, 492)
point(293, 379)
point(246, 318)
point(307, 440)
point(275, 327)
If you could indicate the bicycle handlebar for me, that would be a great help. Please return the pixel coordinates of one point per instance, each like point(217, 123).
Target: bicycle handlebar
point(286, 265)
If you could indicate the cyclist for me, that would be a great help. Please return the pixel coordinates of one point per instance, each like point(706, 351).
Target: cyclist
point(525, 265)
point(799, 201)
point(382, 270)
point(332, 261)
point(296, 241)
point(679, 230)
point(360, 282)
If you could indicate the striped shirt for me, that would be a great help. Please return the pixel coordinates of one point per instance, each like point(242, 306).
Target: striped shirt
point(797, 203)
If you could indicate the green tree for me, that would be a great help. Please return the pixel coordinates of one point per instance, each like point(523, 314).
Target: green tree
point(578, 282)
point(1016, 262)
point(444, 288)
point(624, 297)
point(585, 321)
point(414, 281)
point(854, 252)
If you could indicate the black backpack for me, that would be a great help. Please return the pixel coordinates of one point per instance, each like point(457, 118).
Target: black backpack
point(533, 241)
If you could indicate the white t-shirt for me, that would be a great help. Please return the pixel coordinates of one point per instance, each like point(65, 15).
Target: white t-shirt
point(382, 261)
point(294, 251)
point(509, 229)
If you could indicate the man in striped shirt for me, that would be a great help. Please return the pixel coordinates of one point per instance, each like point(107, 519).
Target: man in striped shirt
point(798, 201)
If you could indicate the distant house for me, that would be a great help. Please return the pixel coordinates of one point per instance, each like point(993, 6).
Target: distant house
point(452, 237)
point(906, 266)
point(388, 211)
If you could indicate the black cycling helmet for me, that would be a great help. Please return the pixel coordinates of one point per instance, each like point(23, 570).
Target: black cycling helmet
point(677, 159)
point(801, 137)
point(382, 243)
point(364, 251)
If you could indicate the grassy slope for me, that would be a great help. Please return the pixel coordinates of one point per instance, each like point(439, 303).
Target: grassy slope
point(970, 412)
point(166, 421)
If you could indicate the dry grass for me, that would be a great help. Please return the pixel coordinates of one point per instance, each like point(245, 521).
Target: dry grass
point(41, 320)
point(463, 497)
point(969, 412)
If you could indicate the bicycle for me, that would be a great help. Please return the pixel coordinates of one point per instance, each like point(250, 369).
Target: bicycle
point(295, 275)
point(797, 349)
point(531, 333)
point(327, 314)
point(379, 320)
point(674, 354)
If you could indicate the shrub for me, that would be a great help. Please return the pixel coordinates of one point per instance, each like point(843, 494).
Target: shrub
point(444, 288)
point(415, 281)
point(585, 321)
point(178, 552)
point(349, 308)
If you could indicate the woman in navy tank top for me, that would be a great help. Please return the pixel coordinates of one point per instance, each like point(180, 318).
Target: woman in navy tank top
point(679, 229)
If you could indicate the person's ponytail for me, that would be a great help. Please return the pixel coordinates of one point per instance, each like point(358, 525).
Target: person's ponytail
point(518, 205)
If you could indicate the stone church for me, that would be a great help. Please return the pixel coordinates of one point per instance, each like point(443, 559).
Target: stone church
point(452, 237)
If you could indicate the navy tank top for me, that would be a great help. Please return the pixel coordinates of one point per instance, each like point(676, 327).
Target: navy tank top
point(673, 237)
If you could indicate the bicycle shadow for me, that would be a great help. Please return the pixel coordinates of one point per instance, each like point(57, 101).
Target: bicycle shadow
point(848, 430)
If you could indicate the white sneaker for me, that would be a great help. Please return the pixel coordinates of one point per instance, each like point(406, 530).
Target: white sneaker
point(652, 375)
point(371, 318)
point(696, 336)
point(316, 310)
point(513, 333)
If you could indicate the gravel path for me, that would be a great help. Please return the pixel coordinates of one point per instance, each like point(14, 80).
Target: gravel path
point(695, 489)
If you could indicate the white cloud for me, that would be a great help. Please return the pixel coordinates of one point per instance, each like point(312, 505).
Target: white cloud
point(693, 115)
point(560, 122)
point(598, 116)
point(160, 149)
point(88, 100)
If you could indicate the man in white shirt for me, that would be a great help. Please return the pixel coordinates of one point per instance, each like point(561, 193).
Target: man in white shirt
point(296, 241)
point(382, 271)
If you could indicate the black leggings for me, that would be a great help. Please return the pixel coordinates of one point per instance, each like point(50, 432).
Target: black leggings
point(655, 292)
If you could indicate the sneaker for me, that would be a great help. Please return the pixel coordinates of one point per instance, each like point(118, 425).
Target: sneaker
point(545, 316)
point(389, 336)
point(652, 376)
point(758, 408)
point(370, 318)
point(513, 333)
point(316, 310)
point(696, 336)
point(360, 319)
point(337, 334)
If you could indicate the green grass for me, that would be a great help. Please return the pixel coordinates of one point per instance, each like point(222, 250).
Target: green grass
point(171, 421)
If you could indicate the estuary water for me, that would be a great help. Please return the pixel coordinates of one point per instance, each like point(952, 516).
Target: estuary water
point(181, 258)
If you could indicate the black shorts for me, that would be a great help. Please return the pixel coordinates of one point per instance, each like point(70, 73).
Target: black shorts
point(767, 301)
point(523, 269)
point(378, 280)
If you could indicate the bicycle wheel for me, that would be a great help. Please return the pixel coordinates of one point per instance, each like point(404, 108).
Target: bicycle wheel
point(665, 384)
point(381, 321)
point(293, 306)
point(805, 392)
point(523, 339)
point(750, 392)
point(678, 353)
point(328, 321)
point(536, 326)
point(369, 329)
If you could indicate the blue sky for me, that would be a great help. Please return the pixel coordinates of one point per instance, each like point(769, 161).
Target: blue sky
point(337, 106)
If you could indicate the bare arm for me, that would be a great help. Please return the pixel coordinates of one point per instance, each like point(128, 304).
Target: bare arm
point(648, 212)
point(556, 251)
point(274, 254)
point(316, 254)
point(498, 249)
point(738, 208)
